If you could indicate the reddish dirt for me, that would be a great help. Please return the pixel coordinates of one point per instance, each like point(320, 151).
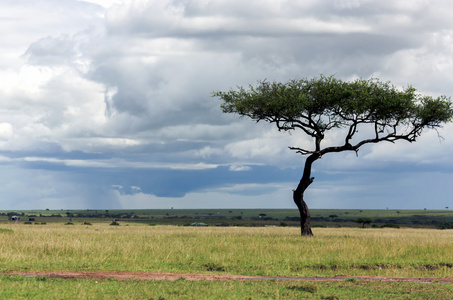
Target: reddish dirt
point(195, 276)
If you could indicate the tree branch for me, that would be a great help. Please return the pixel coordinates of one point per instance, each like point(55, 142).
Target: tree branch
point(301, 151)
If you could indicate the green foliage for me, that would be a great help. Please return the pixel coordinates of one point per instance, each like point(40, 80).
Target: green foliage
point(115, 223)
point(333, 216)
point(324, 103)
point(370, 100)
point(445, 225)
point(363, 221)
point(390, 225)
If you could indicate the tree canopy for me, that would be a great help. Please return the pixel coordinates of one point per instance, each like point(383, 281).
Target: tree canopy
point(321, 104)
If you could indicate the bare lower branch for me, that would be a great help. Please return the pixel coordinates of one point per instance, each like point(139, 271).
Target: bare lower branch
point(301, 151)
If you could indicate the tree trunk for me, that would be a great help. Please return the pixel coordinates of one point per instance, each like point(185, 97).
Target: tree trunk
point(305, 226)
point(298, 196)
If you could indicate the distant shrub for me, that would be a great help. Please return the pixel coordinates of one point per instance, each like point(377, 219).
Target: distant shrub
point(333, 216)
point(115, 223)
point(390, 225)
point(28, 223)
point(297, 219)
point(282, 224)
point(69, 223)
point(444, 225)
point(319, 226)
point(86, 223)
point(43, 223)
point(363, 221)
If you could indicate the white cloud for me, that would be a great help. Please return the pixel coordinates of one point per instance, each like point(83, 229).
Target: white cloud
point(431, 149)
point(238, 168)
point(107, 3)
point(130, 81)
point(118, 163)
point(6, 131)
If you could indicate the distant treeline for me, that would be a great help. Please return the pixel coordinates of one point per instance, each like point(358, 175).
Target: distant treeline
point(282, 217)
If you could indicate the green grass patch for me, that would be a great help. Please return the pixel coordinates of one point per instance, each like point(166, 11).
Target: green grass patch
point(262, 251)
point(15, 287)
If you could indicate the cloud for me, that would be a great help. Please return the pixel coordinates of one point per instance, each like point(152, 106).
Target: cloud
point(206, 200)
point(6, 131)
point(239, 168)
point(118, 93)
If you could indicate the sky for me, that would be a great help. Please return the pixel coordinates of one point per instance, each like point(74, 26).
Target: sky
point(108, 104)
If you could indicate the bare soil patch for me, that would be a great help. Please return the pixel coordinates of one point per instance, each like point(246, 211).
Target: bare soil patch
point(196, 276)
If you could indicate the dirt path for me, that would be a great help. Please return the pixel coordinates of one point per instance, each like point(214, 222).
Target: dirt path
point(195, 276)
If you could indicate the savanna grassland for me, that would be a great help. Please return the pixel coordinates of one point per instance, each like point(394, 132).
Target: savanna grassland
point(262, 251)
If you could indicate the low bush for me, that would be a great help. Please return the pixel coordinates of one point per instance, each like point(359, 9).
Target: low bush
point(115, 223)
point(390, 225)
point(444, 225)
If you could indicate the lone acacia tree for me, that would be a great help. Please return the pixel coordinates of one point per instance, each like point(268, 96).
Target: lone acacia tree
point(325, 104)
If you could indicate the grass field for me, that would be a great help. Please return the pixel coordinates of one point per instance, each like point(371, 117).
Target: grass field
point(264, 251)
point(14, 287)
point(236, 250)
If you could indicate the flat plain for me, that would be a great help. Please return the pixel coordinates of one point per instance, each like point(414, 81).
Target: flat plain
point(249, 251)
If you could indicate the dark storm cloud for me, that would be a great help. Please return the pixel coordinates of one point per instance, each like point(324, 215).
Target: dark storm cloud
point(113, 98)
